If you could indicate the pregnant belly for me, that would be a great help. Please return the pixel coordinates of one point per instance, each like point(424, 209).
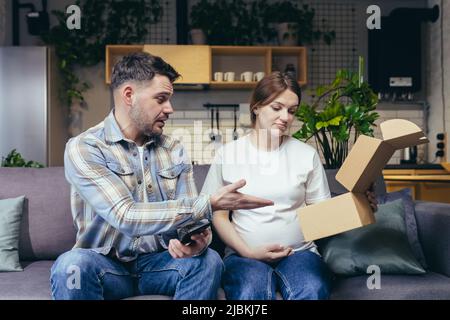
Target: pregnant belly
point(278, 231)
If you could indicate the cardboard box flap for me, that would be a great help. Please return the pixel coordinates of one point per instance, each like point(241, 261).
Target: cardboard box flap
point(364, 163)
point(336, 215)
point(400, 133)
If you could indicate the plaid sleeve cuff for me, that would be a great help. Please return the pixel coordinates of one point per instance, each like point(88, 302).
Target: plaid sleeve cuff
point(202, 208)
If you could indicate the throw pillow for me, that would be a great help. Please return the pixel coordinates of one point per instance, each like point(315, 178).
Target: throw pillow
point(383, 243)
point(10, 216)
point(410, 220)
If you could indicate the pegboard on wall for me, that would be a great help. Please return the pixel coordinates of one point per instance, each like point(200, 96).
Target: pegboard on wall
point(164, 32)
point(324, 60)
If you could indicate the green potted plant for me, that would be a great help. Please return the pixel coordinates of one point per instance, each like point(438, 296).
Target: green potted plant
point(200, 21)
point(246, 21)
point(294, 24)
point(338, 113)
point(228, 22)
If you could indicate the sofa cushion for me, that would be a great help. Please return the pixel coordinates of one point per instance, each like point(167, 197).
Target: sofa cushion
point(433, 222)
point(47, 229)
point(383, 243)
point(410, 220)
point(393, 287)
point(10, 216)
point(31, 284)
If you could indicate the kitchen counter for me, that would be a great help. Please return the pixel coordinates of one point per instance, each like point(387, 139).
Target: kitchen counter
point(414, 166)
point(429, 182)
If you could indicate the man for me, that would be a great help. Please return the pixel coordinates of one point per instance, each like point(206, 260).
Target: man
point(132, 188)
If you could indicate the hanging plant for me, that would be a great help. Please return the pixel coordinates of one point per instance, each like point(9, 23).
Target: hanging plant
point(102, 22)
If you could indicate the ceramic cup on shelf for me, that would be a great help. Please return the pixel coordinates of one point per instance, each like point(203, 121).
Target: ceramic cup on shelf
point(229, 76)
point(247, 76)
point(218, 76)
point(258, 76)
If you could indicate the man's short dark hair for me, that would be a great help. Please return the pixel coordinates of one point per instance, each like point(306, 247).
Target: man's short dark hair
point(140, 66)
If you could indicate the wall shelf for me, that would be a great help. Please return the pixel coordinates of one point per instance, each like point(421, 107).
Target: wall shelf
point(197, 64)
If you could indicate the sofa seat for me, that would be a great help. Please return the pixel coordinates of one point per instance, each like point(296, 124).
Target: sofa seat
point(220, 296)
point(47, 231)
point(393, 287)
point(33, 283)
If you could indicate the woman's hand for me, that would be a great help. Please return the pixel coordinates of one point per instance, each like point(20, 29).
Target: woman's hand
point(199, 243)
point(270, 253)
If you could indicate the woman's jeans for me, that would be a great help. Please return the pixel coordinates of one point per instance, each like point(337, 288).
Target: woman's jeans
point(302, 275)
point(86, 274)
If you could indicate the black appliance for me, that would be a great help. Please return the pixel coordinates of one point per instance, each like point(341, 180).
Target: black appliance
point(409, 155)
point(395, 50)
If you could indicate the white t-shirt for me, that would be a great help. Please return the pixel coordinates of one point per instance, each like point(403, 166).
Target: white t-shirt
point(292, 176)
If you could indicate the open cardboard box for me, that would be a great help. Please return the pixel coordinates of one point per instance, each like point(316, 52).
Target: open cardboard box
point(360, 169)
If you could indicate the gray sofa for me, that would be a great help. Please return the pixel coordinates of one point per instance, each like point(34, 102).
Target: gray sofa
point(47, 231)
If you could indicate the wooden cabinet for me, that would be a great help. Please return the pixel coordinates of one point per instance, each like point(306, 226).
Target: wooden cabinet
point(426, 185)
point(192, 62)
point(197, 64)
point(114, 53)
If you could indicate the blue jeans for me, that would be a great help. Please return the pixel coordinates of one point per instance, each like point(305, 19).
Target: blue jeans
point(87, 275)
point(300, 276)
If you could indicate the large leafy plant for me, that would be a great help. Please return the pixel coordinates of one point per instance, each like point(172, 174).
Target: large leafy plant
point(338, 113)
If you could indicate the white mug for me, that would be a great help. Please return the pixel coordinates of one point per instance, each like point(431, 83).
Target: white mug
point(258, 76)
point(247, 76)
point(228, 76)
point(218, 76)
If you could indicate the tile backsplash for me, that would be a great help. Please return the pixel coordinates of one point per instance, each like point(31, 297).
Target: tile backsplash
point(193, 127)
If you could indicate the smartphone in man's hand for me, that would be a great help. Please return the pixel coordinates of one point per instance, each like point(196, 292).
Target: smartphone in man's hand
point(185, 233)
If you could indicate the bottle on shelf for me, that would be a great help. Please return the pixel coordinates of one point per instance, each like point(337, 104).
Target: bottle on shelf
point(290, 70)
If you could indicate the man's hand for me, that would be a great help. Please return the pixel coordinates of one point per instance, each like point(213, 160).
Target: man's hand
point(370, 194)
point(270, 253)
point(228, 198)
point(200, 241)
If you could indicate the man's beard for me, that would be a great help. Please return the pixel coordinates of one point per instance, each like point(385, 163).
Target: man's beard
point(138, 117)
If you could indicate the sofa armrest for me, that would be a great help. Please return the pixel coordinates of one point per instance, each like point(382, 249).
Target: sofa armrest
point(433, 224)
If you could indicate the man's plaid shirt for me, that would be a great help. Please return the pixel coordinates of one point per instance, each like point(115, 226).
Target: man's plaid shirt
point(107, 189)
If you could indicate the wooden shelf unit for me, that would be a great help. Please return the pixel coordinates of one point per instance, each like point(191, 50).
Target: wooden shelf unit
point(237, 59)
point(298, 56)
point(241, 59)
